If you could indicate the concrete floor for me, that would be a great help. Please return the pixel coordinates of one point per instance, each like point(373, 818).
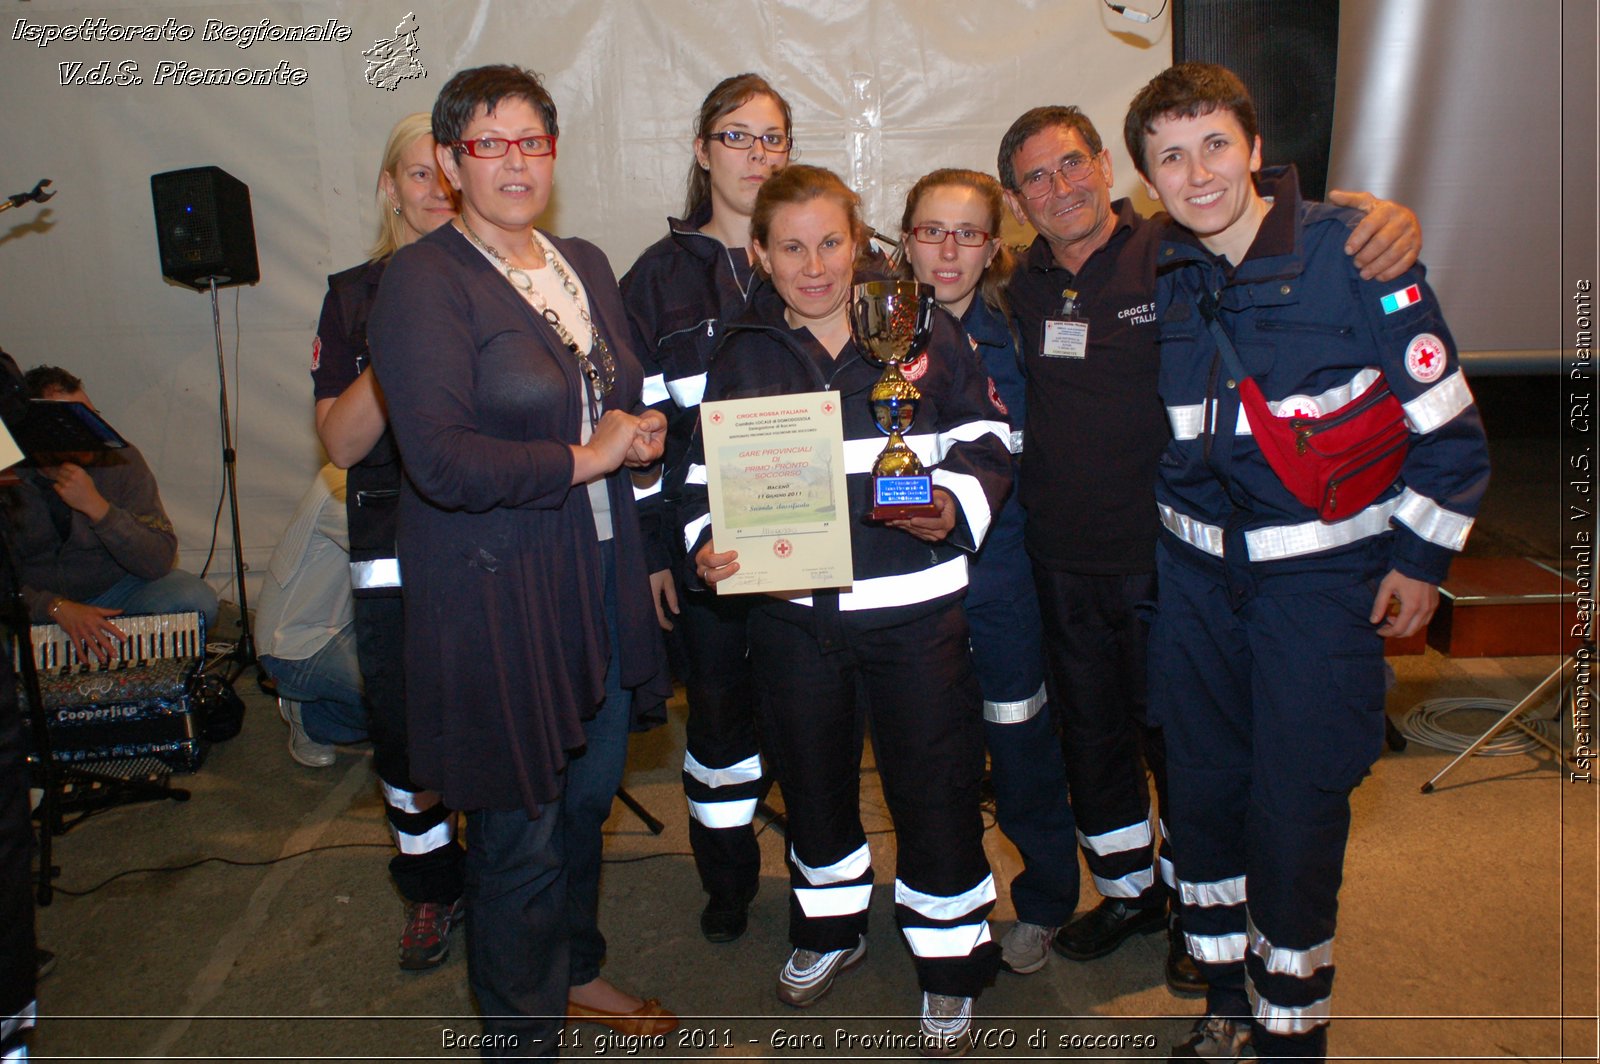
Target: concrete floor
point(1467, 930)
point(1468, 926)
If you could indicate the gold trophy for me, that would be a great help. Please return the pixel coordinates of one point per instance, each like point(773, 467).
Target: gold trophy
point(891, 322)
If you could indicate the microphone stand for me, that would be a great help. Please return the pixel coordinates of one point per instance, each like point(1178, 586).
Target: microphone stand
point(244, 653)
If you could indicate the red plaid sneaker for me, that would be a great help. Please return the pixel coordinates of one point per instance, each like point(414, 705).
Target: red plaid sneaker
point(425, 943)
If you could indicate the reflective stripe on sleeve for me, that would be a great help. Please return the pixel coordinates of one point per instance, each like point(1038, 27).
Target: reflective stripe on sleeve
point(746, 771)
point(1286, 1019)
point(1210, 895)
point(648, 484)
point(430, 840)
point(1015, 712)
point(655, 389)
point(686, 391)
point(967, 432)
point(1216, 949)
point(970, 497)
point(946, 941)
point(379, 572)
point(852, 866)
point(692, 530)
point(905, 589)
point(1133, 837)
point(1441, 527)
point(1280, 960)
point(1439, 405)
point(734, 814)
point(1191, 530)
point(695, 474)
point(1168, 876)
point(945, 907)
point(1129, 886)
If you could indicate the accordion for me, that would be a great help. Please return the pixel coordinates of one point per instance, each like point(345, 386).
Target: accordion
point(140, 703)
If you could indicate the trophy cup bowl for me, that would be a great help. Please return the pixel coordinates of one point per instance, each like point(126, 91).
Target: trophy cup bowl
point(890, 322)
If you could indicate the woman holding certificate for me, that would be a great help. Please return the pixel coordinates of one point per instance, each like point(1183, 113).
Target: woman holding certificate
point(897, 633)
point(505, 357)
point(681, 294)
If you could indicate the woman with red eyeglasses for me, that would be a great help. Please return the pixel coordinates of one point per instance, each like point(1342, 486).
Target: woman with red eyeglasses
point(679, 295)
point(531, 647)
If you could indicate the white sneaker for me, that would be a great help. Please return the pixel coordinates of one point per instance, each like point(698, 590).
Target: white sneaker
point(301, 747)
point(946, 1025)
point(1214, 1038)
point(1026, 947)
point(808, 975)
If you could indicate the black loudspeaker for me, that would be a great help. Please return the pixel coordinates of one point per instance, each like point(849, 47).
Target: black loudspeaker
point(1287, 55)
point(204, 228)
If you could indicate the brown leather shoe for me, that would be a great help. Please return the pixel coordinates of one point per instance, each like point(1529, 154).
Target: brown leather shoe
point(648, 1019)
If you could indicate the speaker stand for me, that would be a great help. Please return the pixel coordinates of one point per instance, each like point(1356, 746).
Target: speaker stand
point(244, 652)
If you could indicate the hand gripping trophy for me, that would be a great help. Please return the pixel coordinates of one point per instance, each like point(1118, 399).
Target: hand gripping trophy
point(891, 322)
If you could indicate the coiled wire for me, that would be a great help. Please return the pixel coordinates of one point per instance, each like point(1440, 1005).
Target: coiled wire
point(1424, 723)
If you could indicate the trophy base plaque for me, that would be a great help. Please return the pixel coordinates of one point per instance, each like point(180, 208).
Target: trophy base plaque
point(897, 498)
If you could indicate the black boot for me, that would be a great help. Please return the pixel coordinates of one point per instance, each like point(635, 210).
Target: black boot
point(1183, 974)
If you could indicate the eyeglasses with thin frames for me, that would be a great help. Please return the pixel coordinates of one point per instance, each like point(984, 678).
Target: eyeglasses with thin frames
point(534, 147)
point(1074, 168)
point(933, 234)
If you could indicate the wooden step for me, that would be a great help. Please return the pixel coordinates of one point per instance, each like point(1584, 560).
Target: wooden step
point(1507, 607)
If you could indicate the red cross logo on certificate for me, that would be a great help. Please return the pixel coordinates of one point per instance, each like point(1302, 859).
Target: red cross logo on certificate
point(716, 417)
point(782, 548)
point(827, 408)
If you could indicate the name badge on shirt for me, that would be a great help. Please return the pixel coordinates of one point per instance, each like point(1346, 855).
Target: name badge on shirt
point(1065, 338)
point(1066, 335)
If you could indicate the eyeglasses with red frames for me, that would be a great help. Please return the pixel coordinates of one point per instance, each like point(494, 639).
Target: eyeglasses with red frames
point(933, 234)
point(534, 147)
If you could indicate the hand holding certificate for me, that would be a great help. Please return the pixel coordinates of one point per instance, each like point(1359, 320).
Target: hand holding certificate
point(776, 480)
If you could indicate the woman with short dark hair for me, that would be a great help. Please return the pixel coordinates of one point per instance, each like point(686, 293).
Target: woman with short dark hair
point(513, 390)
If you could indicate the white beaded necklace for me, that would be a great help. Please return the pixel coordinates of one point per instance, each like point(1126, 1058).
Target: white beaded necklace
point(601, 378)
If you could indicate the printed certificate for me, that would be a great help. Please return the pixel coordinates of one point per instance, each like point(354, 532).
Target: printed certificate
point(775, 474)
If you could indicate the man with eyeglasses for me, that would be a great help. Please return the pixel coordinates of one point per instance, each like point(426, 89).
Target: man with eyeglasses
point(1083, 301)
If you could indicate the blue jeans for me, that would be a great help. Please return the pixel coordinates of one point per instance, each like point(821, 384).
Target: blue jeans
point(516, 889)
point(328, 687)
point(177, 592)
point(593, 776)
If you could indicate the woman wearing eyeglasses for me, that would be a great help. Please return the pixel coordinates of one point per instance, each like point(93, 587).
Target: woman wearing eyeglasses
point(890, 650)
point(505, 357)
point(950, 239)
point(679, 295)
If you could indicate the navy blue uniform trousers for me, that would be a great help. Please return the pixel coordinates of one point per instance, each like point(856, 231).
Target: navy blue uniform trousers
point(1271, 699)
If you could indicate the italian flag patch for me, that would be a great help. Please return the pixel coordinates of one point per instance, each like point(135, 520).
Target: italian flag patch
point(1402, 299)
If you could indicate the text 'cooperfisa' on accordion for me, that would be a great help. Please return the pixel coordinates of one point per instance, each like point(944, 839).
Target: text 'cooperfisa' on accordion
point(140, 703)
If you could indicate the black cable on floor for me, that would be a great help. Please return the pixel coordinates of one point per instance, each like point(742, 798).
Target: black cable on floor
point(222, 860)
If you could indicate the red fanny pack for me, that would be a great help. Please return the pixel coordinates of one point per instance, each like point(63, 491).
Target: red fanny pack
point(1337, 463)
